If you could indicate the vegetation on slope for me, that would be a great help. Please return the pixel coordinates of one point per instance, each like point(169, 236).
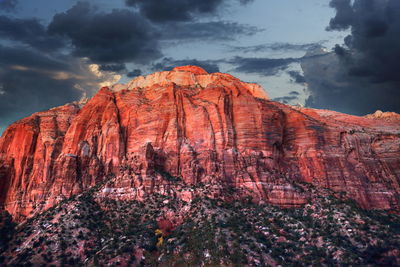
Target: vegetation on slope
point(164, 231)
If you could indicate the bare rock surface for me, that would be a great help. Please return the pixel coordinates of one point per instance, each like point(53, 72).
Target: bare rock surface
point(200, 128)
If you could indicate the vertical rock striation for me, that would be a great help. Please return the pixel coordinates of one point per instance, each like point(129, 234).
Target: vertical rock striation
point(200, 128)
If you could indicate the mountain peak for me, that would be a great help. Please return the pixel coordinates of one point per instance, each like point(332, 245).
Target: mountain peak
point(191, 68)
point(193, 77)
point(189, 127)
point(384, 115)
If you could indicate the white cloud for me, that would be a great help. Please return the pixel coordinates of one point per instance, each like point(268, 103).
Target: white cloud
point(105, 78)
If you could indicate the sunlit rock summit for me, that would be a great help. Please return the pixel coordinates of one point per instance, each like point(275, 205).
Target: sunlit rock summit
point(136, 139)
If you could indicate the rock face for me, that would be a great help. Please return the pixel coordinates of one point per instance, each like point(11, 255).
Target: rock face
point(201, 128)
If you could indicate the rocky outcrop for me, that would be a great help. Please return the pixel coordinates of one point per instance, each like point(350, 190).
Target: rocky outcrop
point(389, 116)
point(196, 127)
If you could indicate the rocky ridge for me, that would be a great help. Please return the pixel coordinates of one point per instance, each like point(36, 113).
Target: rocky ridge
point(199, 128)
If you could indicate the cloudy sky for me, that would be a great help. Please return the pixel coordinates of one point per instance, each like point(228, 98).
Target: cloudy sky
point(333, 54)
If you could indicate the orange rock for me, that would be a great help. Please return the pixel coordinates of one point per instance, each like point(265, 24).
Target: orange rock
point(199, 127)
point(193, 69)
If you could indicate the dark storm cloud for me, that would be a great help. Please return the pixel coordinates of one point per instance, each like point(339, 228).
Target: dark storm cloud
point(169, 63)
point(113, 67)
point(177, 10)
point(344, 15)
point(286, 99)
point(134, 73)
point(363, 75)
point(180, 20)
point(261, 66)
point(274, 47)
point(296, 76)
point(331, 87)
point(174, 10)
point(207, 31)
point(22, 57)
point(8, 5)
point(29, 82)
point(374, 42)
point(28, 31)
point(115, 37)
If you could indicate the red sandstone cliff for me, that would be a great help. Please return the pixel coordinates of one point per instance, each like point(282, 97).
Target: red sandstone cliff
point(208, 128)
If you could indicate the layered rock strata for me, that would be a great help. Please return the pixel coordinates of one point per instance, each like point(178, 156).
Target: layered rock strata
point(197, 127)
